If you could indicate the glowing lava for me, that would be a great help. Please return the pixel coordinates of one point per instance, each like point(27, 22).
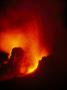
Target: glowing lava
point(27, 38)
point(25, 33)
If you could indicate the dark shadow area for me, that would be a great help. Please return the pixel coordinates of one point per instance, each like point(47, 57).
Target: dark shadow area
point(49, 75)
point(3, 62)
point(9, 66)
point(65, 16)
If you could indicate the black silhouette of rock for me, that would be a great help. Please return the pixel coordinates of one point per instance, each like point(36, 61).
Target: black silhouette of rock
point(10, 68)
point(3, 62)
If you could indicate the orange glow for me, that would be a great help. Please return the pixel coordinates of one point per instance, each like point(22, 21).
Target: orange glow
point(26, 37)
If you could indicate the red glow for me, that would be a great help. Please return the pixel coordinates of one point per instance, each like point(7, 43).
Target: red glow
point(27, 36)
point(28, 39)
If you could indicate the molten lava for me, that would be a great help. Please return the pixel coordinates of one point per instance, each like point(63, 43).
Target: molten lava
point(25, 34)
point(27, 39)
